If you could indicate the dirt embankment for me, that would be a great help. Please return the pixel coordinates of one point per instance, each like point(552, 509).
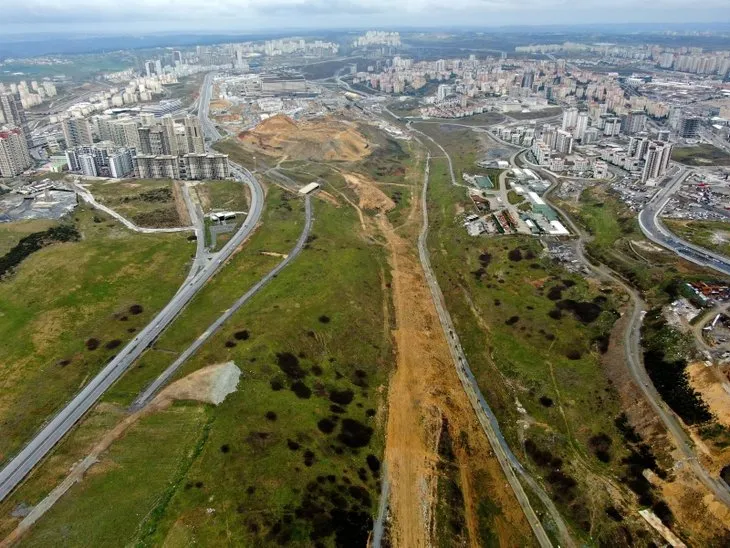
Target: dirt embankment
point(180, 207)
point(700, 517)
point(325, 139)
point(713, 384)
point(425, 390)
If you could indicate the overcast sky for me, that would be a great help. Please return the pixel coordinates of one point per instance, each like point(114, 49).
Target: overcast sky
point(245, 15)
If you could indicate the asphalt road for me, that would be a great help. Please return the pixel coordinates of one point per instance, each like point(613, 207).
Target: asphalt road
point(635, 363)
point(15, 470)
point(507, 460)
point(204, 108)
point(164, 378)
point(654, 229)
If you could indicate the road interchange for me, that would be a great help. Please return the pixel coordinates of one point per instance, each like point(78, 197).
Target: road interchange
point(14, 471)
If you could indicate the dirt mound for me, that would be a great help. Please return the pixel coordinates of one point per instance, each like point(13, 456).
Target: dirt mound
point(324, 139)
point(371, 197)
point(211, 384)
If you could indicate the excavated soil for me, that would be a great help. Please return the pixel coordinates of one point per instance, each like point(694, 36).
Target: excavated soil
point(425, 389)
point(713, 385)
point(180, 207)
point(324, 139)
point(699, 514)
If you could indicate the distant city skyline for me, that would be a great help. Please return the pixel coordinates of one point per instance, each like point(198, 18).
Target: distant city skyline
point(248, 15)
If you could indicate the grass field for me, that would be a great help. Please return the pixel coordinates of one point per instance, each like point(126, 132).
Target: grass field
point(514, 198)
point(534, 335)
point(713, 235)
point(545, 113)
point(226, 196)
point(65, 295)
point(618, 242)
point(12, 233)
point(137, 471)
point(145, 202)
point(704, 154)
point(286, 459)
point(463, 145)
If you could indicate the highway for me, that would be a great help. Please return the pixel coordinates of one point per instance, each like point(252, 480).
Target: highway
point(206, 90)
point(507, 460)
point(145, 397)
point(654, 229)
point(15, 470)
point(634, 357)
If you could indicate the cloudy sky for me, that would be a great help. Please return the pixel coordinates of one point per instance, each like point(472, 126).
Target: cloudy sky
point(19, 16)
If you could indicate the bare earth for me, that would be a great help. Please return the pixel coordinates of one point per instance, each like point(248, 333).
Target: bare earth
point(425, 390)
point(325, 139)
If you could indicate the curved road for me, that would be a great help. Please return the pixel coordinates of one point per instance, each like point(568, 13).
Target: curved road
point(15, 470)
point(654, 229)
point(635, 363)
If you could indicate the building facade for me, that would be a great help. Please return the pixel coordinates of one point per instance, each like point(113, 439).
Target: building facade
point(14, 155)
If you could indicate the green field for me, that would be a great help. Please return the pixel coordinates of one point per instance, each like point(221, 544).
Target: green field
point(535, 335)
point(12, 233)
point(137, 471)
point(226, 195)
point(145, 202)
point(713, 235)
point(618, 242)
point(514, 198)
point(704, 154)
point(66, 294)
point(314, 341)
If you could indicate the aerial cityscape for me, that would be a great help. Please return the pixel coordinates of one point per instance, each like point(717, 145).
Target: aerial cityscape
point(364, 275)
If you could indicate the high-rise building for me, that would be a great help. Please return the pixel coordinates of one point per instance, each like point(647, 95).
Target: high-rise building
point(658, 155)
point(204, 166)
point(611, 126)
point(169, 123)
point(149, 68)
point(121, 163)
point(528, 79)
point(634, 122)
point(581, 125)
point(14, 155)
point(442, 92)
point(87, 165)
point(689, 127)
point(153, 140)
point(13, 114)
point(570, 118)
point(564, 142)
point(77, 132)
point(177, 58)
point(194, 134)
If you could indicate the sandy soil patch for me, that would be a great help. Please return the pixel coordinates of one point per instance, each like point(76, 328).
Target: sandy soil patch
point(324, 139)
point(423, 391)
point(371, 197)
point(714, 387)
point(211, 385)
point(180, 207)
